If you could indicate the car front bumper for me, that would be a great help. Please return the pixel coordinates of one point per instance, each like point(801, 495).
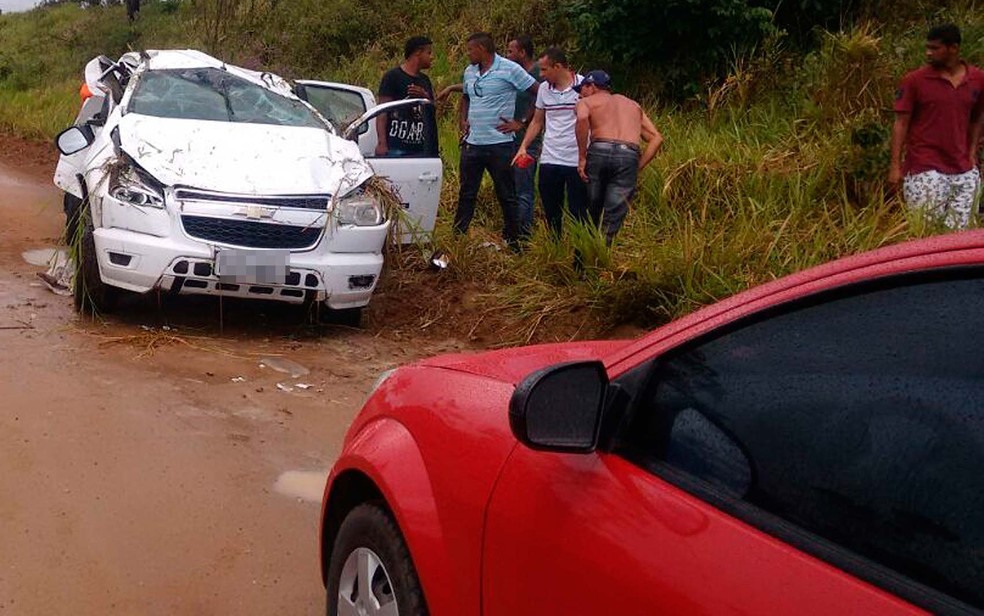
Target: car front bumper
point(141, 262)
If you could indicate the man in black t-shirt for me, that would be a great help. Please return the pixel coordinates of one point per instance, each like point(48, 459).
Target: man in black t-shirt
point(410, 131)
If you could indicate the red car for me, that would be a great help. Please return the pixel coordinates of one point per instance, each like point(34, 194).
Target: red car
point(811, 446)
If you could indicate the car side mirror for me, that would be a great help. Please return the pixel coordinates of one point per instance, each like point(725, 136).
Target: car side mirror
point(353, 132)
point(560, 408)
point(74, 139)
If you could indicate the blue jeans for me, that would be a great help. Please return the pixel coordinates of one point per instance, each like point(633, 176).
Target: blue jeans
point(525, 193)
point(612, 170)
point(497, 160)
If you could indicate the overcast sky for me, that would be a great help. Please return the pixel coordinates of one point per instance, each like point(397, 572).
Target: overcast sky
point(16, 5)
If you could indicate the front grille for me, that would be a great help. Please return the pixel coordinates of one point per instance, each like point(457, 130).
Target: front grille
point(306, 202)
point(250, 234)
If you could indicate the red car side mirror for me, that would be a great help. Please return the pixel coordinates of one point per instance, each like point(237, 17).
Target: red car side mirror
point(560, 408)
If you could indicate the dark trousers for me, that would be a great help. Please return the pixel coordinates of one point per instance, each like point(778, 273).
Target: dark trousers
point(555, 181)
point(612, 169)
point(525, 194)
point(496, 159)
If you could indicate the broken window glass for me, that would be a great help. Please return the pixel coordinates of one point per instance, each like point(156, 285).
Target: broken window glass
point(212, 94)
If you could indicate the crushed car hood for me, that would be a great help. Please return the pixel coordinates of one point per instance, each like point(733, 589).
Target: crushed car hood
point(243, 158)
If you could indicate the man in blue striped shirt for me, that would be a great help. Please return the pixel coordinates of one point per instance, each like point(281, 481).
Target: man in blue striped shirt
point(490, 84)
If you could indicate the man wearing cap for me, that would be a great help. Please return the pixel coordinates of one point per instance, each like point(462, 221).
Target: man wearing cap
point(939, 117)
point(490, 84)
point(611, 163)
point(555, 114)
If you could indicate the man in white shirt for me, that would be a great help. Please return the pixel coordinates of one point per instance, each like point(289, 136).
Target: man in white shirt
point(556, 103)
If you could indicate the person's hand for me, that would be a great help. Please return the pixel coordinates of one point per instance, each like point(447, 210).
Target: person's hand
point(894, 175)
point(581, 169)
point(463, 128)
point(415, 91)
point(509, 126)
point(382, 149)
point(444, 94)
point(520, 153)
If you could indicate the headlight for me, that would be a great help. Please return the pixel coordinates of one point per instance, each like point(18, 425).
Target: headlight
point(359, 209)
point(135, 187)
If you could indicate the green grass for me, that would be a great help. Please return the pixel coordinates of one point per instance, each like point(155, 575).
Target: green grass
point(778, 168)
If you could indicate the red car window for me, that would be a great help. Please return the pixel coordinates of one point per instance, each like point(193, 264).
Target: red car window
point(855, 416)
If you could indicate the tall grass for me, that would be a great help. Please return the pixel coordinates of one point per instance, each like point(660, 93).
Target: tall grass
point(773, 170)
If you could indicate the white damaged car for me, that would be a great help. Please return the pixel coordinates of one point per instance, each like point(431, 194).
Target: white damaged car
point(205, 178)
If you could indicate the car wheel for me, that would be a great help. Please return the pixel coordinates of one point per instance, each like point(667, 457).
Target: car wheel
point(73, 209)
point(370, 571)
point(92, 295)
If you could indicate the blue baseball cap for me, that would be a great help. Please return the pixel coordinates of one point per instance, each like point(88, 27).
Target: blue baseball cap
point(597, 78)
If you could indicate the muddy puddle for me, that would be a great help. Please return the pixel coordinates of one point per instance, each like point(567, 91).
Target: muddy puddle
point(307, 486)
point(42, 257)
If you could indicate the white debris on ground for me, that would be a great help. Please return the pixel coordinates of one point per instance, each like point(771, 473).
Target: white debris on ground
point(60, 274)
point(286, 366)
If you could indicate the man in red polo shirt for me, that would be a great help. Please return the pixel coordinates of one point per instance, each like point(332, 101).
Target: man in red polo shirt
point(939, 118)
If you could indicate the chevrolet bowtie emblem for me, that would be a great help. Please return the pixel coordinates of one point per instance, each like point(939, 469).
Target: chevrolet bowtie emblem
point(255, 212)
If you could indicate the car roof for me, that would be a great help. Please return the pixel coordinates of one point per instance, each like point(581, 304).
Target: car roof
point(953, 249)
point(181, 58)
point(172, 59)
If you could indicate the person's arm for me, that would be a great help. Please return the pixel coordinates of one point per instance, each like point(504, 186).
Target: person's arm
point(507, 125)
point(653, 140)
point(382, 146)
point(906, 101)
point(581, 130)
point(416, 91)
point(536, 125)
point(976, 134)
point(900, 131)
point(446, 92)
point(463, 126)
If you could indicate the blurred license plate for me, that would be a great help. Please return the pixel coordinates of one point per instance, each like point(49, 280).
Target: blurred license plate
point(252, 266)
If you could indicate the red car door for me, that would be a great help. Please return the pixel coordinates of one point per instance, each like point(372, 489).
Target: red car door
point(594, 534)
point(821, 457)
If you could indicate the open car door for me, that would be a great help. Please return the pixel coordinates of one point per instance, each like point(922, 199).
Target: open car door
point(417, 178)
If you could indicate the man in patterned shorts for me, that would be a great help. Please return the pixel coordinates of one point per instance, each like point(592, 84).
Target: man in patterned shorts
point(939, 117)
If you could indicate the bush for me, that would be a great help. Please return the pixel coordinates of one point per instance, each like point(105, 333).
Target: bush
point(686, 41)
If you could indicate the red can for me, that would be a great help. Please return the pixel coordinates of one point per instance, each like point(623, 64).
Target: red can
point(525, 161)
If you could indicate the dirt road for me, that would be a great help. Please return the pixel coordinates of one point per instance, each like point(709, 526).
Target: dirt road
point(140, 458)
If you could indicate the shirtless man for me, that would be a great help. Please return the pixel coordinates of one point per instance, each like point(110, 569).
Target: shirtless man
point(611, 164)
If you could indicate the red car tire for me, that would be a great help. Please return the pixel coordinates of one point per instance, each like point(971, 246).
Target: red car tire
point(369, 532)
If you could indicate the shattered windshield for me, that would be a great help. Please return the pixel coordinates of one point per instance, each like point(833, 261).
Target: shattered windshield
point(214, 94)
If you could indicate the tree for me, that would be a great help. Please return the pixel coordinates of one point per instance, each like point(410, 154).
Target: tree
point(684, 40)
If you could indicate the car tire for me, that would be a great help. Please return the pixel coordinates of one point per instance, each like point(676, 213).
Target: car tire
point(370, 541)
point(73, 209)
point(92, 296)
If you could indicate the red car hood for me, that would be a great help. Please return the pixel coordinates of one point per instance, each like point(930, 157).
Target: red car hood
point(512, 365)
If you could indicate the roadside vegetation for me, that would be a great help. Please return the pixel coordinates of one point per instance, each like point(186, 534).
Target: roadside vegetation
point(776, 127)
